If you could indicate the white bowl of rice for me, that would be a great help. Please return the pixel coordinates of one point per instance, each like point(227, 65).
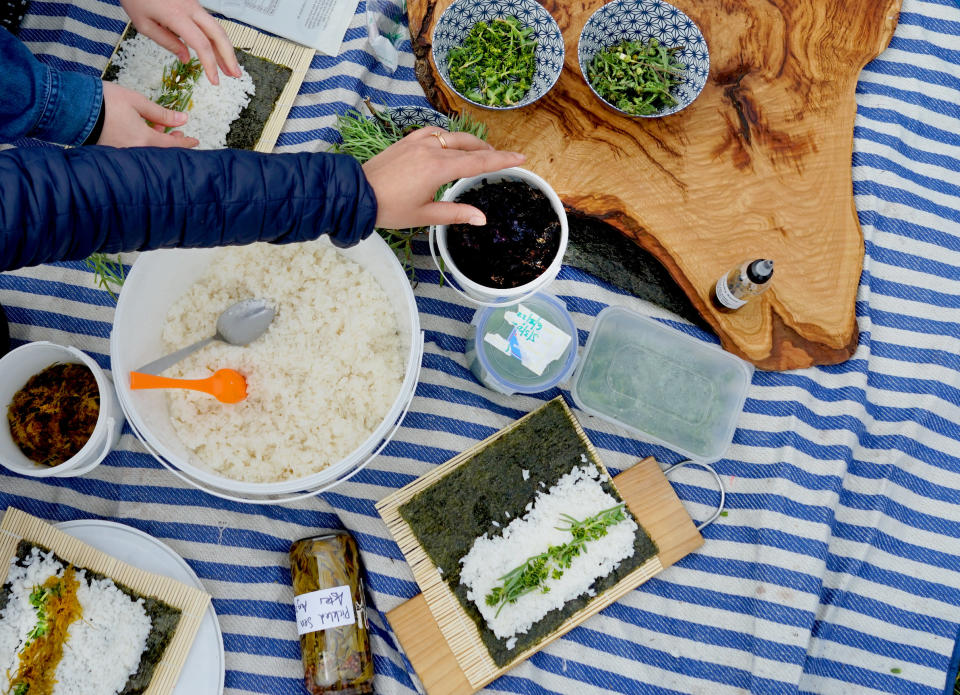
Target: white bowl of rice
point(327, 383)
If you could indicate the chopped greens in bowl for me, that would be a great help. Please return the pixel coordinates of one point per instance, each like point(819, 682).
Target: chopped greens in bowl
point(498, 54)
point(643, 58)
point(637, 77)
point(495, 64)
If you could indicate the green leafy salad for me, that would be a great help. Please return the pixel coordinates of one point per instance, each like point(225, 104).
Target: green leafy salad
point(496, 63)
point(637, 77)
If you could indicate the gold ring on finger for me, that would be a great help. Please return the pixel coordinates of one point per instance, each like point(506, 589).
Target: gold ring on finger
point(438, 136)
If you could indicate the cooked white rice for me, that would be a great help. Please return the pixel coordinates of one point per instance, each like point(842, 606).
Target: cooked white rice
point(319, 381)
point(579, 494)
point(103, 646)
point(214, 108)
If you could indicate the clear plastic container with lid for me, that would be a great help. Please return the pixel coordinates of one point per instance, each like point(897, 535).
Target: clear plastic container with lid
point(661, 384)
point(527, 347)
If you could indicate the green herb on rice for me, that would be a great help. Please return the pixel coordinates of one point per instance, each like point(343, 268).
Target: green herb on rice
point(364, 138)
point(637, 77)
point(496, 63)
point(109, 273)
point(534, 572)
point(179, 79)
point(38, 599)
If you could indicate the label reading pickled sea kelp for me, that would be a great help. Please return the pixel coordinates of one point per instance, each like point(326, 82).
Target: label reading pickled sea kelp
point(534, 341)
point(323, 609)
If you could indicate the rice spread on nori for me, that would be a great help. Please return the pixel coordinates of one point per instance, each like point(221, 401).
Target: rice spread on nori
point(505, 476)
point(164, 618)
point(269, 79)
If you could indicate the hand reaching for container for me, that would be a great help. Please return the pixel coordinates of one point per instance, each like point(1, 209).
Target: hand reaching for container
point(125, 116)
point(177, 24)
point(406, 175)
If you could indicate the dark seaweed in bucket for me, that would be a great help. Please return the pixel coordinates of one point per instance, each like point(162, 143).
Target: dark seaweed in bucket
point(517, 244)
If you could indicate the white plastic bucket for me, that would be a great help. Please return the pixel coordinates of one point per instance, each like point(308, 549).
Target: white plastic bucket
point(482, 295)
point(157, 280)
point(16, 368)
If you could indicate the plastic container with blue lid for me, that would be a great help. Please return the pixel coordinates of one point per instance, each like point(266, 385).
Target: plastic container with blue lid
point(661, 384)
point(527, 347)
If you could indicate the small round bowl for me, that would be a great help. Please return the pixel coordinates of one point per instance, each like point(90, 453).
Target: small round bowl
point(16, 367)
point(420, 116)
point(458, 19)
point(632, 20)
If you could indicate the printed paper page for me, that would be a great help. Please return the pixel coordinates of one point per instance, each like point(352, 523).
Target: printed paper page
point(320, 24)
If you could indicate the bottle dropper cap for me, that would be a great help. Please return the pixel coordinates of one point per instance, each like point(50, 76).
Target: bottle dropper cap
point(760, 271)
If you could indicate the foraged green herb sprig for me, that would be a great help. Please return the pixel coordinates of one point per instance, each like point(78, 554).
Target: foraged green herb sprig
point(179, 79)
point(38, 599)
point(637, 77)
point(364, 138)
point(495, 65)
point(109, 273)
point(533, 574)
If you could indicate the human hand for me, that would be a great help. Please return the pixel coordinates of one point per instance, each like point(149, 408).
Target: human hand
point(406, 176)
point(124, 121)
point(176, 24)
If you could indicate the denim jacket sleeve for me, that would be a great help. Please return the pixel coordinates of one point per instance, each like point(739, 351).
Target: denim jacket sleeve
point(66, 204)
point(41, 102)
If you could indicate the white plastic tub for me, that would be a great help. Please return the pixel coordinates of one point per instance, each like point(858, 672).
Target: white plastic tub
point(482, 295)
point(16, 368)
point(157, 280)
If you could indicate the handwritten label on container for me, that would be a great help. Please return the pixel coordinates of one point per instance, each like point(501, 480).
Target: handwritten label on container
point(323, 609)
point(533, 340)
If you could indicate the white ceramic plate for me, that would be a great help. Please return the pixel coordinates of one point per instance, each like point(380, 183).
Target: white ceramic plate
point(204, 670)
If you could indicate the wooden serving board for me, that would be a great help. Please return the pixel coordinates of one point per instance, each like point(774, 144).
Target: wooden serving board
point(451, 660)
point(758, 166)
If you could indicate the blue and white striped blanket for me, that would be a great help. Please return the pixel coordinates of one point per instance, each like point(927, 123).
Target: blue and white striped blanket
point(836, 568)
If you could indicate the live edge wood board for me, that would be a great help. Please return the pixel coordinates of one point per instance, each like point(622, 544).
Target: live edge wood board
point(758, 166)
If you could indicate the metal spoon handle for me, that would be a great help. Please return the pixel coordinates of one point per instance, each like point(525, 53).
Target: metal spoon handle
point(167, 361)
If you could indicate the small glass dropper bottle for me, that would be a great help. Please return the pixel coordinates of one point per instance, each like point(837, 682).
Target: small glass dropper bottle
point(737, 286)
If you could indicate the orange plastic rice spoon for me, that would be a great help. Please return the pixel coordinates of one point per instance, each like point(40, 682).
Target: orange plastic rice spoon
point(226, 385)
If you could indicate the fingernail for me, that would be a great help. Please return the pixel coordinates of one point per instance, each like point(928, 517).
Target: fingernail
point(478, 220)
point(179, 118)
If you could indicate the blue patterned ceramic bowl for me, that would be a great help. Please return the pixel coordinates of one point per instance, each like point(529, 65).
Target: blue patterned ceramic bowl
point(420, 116)
point(632, 20)
point(457, 20)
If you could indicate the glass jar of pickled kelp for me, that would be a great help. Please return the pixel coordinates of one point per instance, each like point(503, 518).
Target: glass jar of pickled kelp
point(331, 615)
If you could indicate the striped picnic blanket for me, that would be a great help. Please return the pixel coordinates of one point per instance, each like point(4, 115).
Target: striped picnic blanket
point(836, 568)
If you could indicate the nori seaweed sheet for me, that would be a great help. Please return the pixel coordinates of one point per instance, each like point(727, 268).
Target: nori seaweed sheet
point(451, 514)
point(269, 79)
point(163, 621)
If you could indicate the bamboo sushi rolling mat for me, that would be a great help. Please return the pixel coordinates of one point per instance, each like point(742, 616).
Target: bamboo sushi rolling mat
point(837, 566)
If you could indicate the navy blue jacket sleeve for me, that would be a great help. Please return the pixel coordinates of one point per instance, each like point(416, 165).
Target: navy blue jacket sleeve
point(66, 204)
point(41, 102)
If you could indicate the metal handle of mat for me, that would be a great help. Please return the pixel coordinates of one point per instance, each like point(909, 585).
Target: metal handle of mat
point(723, 493)
point(296, 496)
